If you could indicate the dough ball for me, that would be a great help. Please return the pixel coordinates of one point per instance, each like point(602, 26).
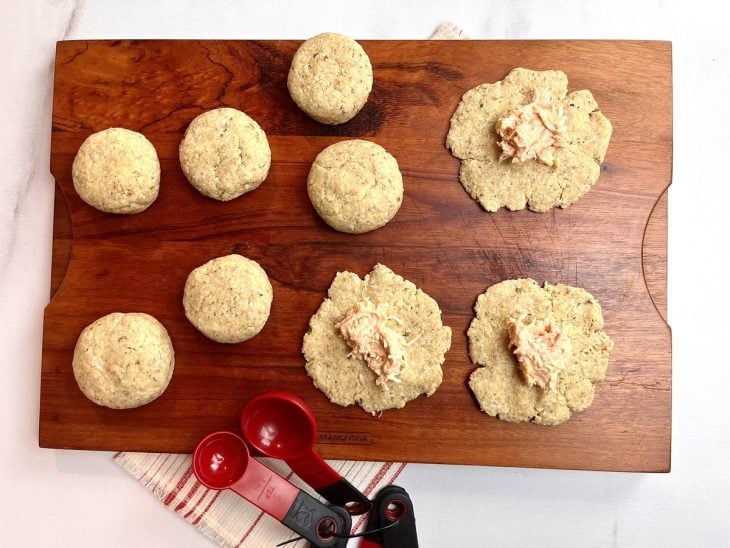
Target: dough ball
point(117, 171)
point(355, 186)
point(228, 299)
point(123, 360)
point(225, 154)
point(330, 78)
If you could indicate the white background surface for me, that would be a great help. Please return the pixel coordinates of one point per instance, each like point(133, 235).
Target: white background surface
point(64, 498)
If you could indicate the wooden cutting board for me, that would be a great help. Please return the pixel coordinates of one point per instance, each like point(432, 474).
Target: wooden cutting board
point(609, 243)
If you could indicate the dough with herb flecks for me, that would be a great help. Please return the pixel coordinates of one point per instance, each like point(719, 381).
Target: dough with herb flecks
point(228, 299)
point(123, 360)
point(355, 186)
point(330, 78)
point(493, 183)
point(498, 383)
point(346, 379)
point(117, 171)
point(225, 154)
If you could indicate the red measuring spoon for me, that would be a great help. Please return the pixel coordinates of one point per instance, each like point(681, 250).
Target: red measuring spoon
point(222, 461)
point(282, 426)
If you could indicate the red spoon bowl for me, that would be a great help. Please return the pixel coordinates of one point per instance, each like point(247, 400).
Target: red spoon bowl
point(220, 460)
point(280, 425)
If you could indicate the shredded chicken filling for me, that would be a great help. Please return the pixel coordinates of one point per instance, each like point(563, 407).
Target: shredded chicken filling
point(381, 347)
point(533, 131)
point(541, 349)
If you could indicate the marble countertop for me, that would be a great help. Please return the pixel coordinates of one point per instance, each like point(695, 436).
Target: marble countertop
point(74, 498)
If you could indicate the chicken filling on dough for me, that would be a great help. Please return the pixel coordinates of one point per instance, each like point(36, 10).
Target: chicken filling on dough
point(533, 131)
point(541, 349)
point(382, 348)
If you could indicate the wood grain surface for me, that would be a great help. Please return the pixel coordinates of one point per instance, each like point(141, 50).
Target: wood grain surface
point(612, 242)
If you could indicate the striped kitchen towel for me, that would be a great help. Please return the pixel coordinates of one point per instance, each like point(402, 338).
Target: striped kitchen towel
point(448, 31)
point(224, 516)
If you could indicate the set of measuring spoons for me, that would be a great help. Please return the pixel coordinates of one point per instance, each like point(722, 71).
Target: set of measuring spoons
point(280, 425)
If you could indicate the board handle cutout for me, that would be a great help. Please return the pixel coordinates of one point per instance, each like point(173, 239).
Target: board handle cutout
point(62, 240)
point(654, 254)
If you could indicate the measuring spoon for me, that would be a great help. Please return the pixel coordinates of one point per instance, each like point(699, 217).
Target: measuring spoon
point(222, 461)
point(280, 425)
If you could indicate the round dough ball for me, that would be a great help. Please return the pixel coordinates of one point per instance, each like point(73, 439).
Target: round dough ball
point(346, 379)
point(225, 154)
point(228, 299)
point(355, 186)
point(117, 171)
point(123, 360)
point(330, 78)
point(499, 385)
